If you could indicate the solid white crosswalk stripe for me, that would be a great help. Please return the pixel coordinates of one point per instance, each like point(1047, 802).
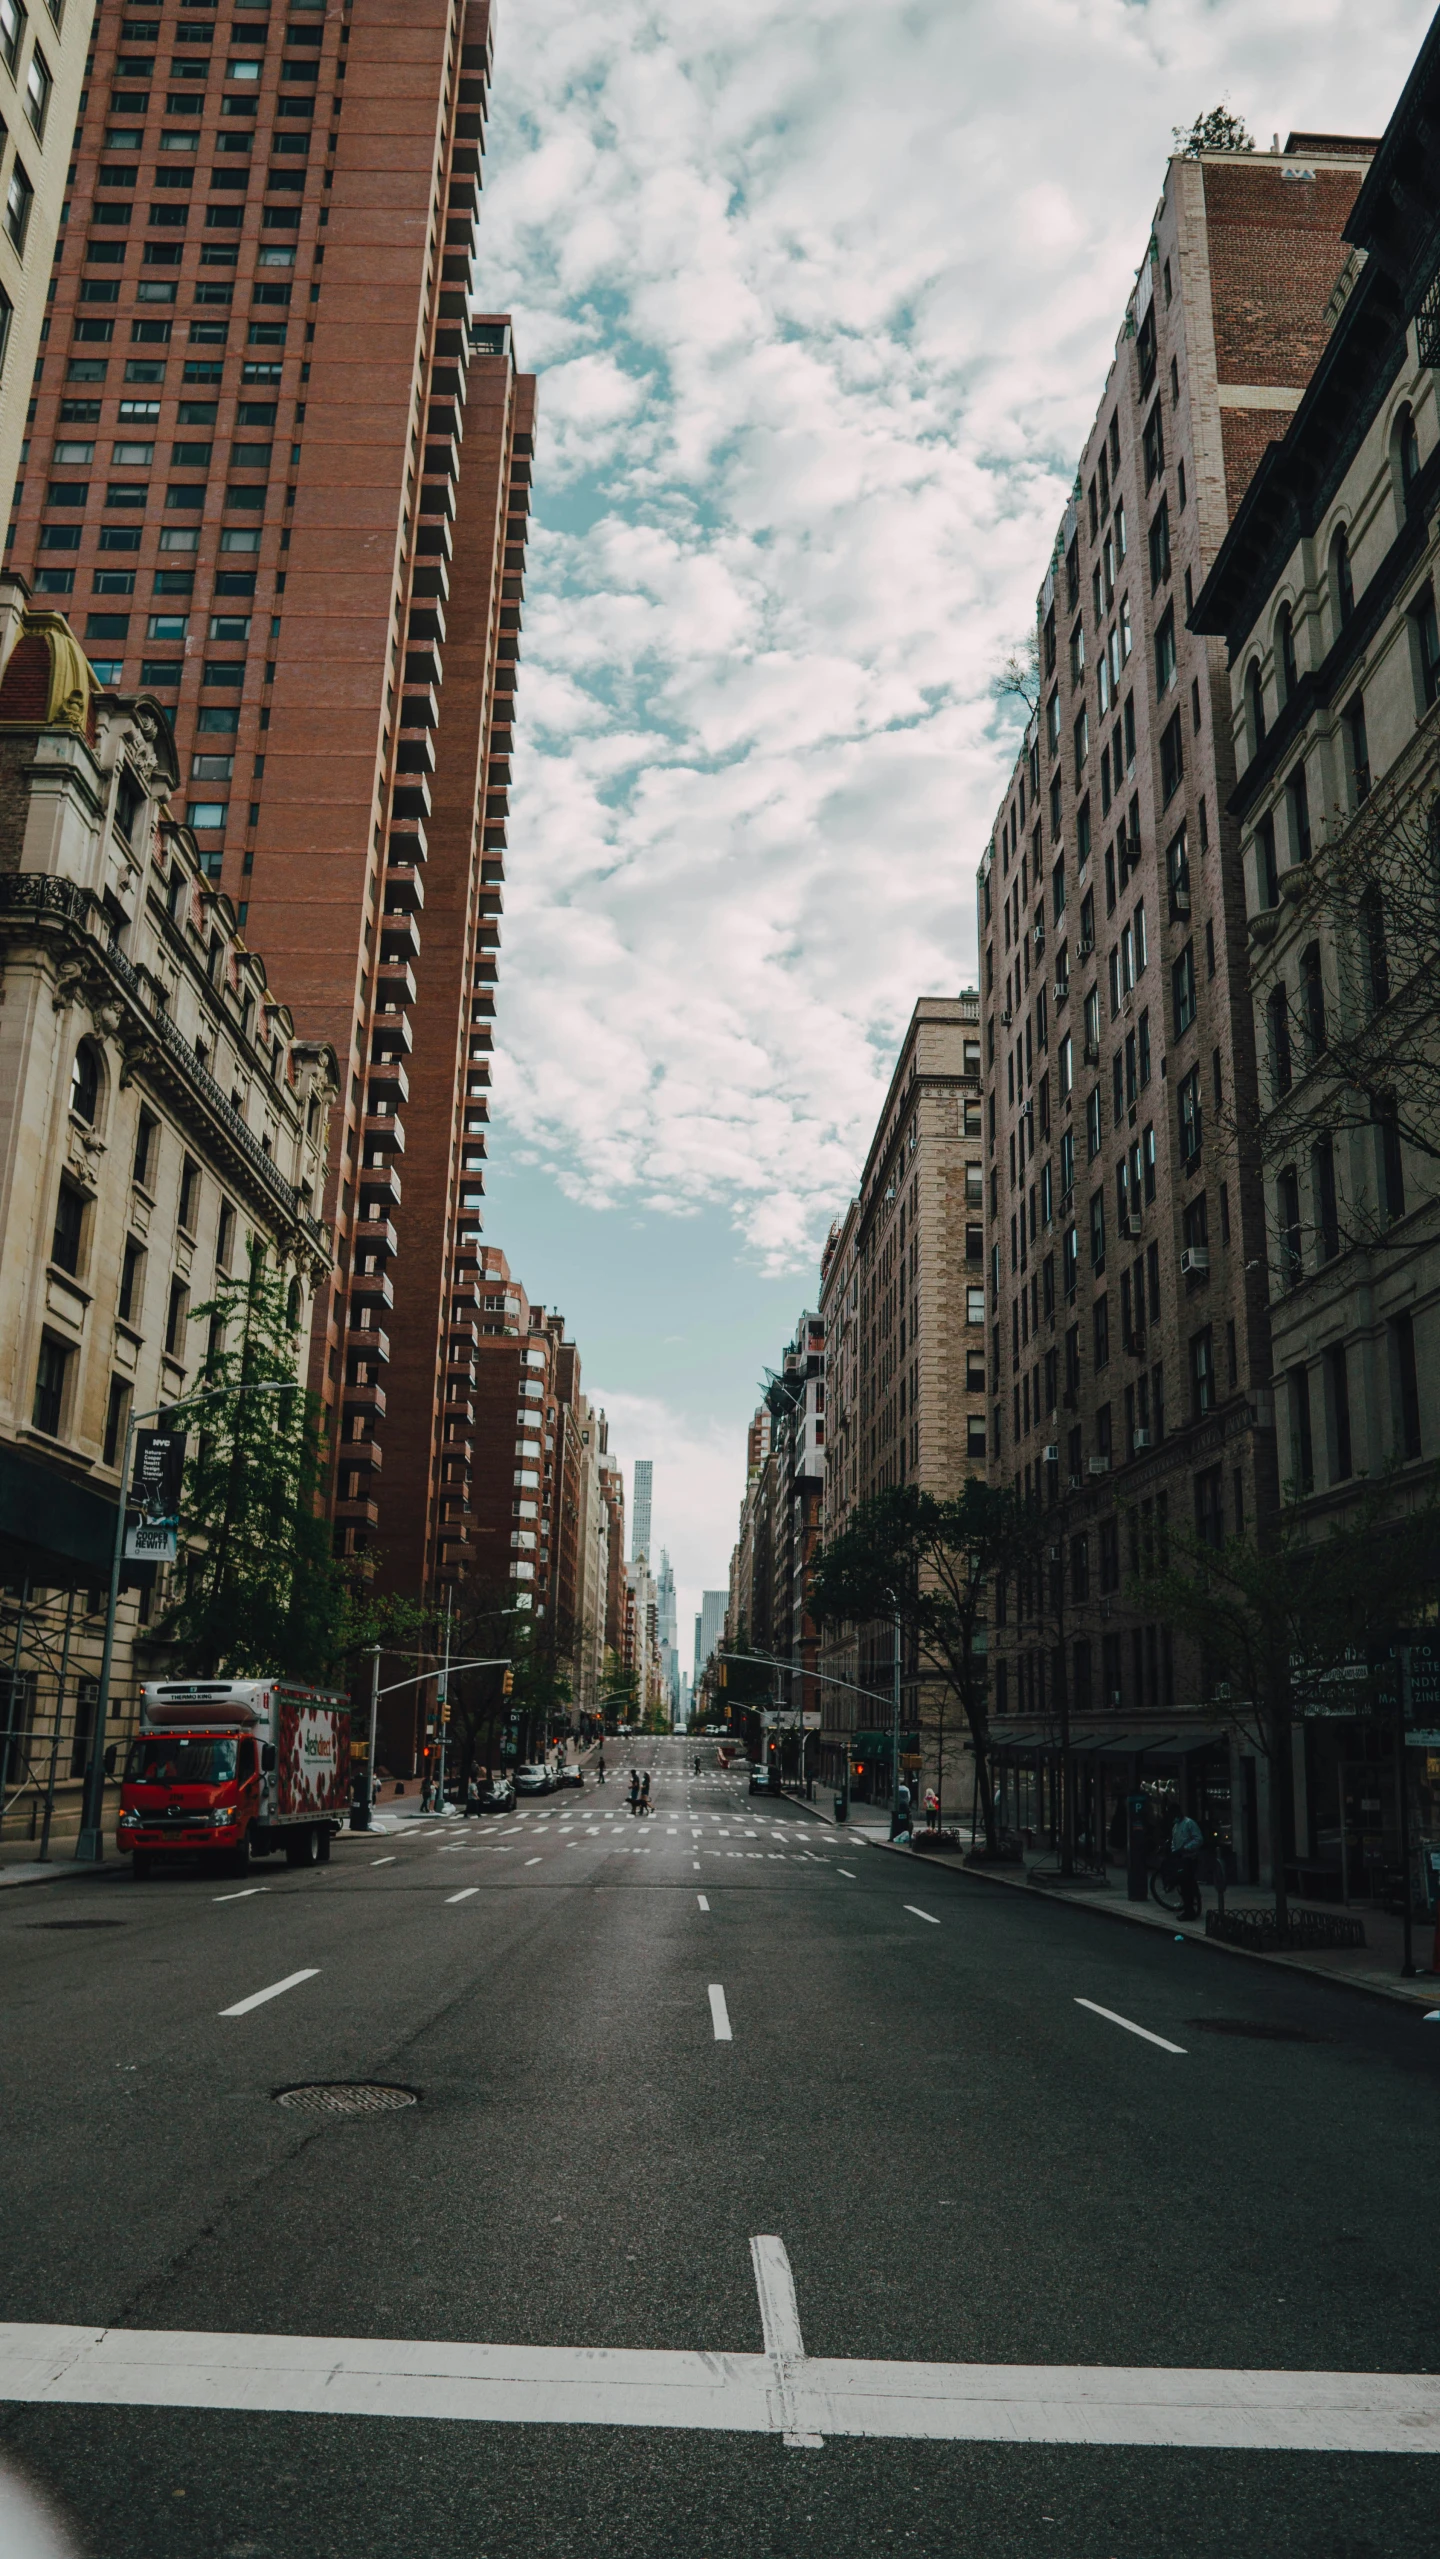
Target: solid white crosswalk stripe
point(1196, 2409)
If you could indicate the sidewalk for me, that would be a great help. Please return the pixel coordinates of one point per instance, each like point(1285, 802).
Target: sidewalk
point(1373, 1968)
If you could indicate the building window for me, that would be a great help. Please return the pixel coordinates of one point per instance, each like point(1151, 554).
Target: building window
point(1312, 1002)
point(176, 1318)
point(1302, 1445)
point(1165, 654)
point(1285, 652)
point(1172, 758)
point(146, 1135)
point(1391, 1160)
point(1202, 1374)
point(1097, 1231)
point(1357, 749)
point(69, 1235)
point(38, 86)
point(12, 31)
point(19, 196)
point(132, 1281)
point(1190, 1116)
point(1327, 1213)
point(85, 1083)
point(50, 1380)
point(1100, 1317)
point(1160, 551)
point(1210, 1507)
point(1277, 1015)
point(1153, 437)
point(1337, 1396)
point(1374, 950)
point(1182, 980)
point(1109, 1554)
point(974, 1305)
point(189, 1193)
point(1287, 1205)
point(1342, 579)
point(116, 1413)
point(975, 1436)
point(1405, 1391)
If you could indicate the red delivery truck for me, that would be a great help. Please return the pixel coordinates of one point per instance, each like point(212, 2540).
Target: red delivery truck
point(234, 1768)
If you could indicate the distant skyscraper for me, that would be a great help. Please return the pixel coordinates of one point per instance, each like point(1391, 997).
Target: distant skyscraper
point(709, 1627)
point(640, 1533)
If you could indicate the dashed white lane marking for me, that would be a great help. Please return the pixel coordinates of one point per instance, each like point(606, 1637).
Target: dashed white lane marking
point(534, 1861)
point(383, 1861)
point(1129, 2025)
point(773, 2393)
point(702, 1901)
point(258, 1998)
point(719, 2014)
point(248, 1893)
point(845, 1871)
point(926, 1915)
point(467, 1895)
point(695, 1862)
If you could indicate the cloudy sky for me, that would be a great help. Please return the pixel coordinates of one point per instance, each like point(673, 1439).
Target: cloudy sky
point(821, 294)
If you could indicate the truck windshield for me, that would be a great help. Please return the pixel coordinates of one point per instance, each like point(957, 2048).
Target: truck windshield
point(177, 1759)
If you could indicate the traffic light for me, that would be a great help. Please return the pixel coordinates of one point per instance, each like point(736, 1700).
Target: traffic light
point(507, 1683)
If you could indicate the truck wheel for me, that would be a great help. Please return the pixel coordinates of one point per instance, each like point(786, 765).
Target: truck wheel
point(324, 1838)
point(238, 1861)
point(303, 1849)
point(140, 1868)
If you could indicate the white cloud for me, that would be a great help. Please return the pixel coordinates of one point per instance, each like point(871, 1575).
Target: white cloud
point(823, 297)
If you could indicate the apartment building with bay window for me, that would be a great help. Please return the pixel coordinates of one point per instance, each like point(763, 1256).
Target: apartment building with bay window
point(1129, 1359)
point(1325, 594)
point(280, 476)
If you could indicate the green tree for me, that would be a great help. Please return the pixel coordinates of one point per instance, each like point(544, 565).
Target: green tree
point(1216, 130)
point(930, 1562)
point(259, 1588)
point(1286, 1621)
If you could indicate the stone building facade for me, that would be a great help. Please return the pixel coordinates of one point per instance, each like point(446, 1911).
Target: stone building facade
point(1130, 1367)
point(157, 1114)
point(44, 64)
point(1324, 592)
point(903, 1310)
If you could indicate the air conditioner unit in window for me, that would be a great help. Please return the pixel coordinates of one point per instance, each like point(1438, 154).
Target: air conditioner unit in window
point(1006, 1018)
point(1086, 947)
point(1062, 990)
point(1139, 1439)
point(1131, 1225)
point(1179, 901)
point(1099, 1465)
point(1195, 1261)
point(1092, 1053)
point(1052, 1453)
point(1074, 1483)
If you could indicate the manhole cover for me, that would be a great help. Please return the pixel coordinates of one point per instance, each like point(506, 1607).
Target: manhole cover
point(77, 1923)
point(346, 2097)
point(1254, 2028)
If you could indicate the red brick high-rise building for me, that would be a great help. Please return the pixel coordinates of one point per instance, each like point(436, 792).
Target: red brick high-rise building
point(279, 477)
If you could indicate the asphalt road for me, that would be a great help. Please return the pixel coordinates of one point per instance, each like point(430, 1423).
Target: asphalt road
point(964, 2164)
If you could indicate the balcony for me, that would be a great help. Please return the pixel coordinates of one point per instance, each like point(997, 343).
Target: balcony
point(388, 1084)
point(367, 1401)
point(382, 1129)
point(375, 1234)
point(409, 844)
point(427, 622)
point(395, 982)
point(361, 1452)
point(379, 1188)
point(367, 1341)
point(391, 1037)
point(358, 1514)
point(370, 1289)
point(404, 891)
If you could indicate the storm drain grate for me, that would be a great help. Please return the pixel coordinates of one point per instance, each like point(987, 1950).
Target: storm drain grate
point(346, 2097)
point(1255, 2029)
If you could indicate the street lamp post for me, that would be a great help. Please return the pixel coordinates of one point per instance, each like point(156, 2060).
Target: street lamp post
point(489, 1661)
point(90, 1847)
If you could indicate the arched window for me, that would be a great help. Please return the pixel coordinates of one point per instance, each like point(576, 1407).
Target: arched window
point(1342, 581)
point(1407, 453)
point(1277, 1010)
point(292, 1306)
point(85, 1083)
point(1255, 705)
point(1288, 671)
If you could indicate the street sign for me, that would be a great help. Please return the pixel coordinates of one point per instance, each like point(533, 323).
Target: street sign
point(787, 1719)
point(155, 1490)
